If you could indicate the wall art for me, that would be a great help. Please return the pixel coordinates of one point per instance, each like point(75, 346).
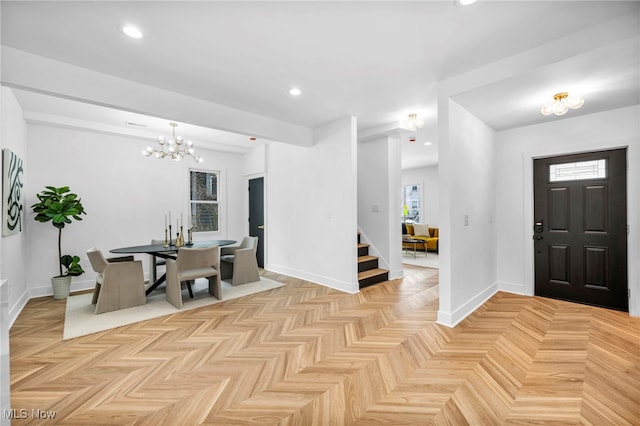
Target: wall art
point(12, 193)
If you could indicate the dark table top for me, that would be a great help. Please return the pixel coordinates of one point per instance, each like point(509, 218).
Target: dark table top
point(159, 248)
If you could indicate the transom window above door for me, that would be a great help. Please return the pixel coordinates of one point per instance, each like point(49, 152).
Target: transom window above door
point(581, 170)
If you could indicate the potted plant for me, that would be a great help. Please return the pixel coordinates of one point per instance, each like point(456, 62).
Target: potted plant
point(60, 206)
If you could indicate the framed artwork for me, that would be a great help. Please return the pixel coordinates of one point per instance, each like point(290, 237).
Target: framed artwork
point(12, 194)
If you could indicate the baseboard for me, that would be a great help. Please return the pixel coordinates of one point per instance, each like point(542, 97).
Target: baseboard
point(451, 319)
point(17, 307)
point(347, 287)
point(398, 273)
point(48, 289)
point(512, 288)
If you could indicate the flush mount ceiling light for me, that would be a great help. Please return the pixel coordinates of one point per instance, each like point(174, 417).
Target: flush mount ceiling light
point(561, 104)
point(175, 147)
point(294, 91)
point(413, 122)
point(132, 31)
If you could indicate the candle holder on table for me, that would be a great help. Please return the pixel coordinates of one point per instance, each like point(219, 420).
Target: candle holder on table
point(180, 238)
point(166, 241)
point(189, 235)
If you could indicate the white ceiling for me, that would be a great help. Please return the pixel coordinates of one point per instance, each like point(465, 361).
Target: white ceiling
point(376, 60)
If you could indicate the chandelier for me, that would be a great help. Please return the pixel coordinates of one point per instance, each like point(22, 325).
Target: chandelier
point(561, 104)
point(175, 147)
point(413, 122)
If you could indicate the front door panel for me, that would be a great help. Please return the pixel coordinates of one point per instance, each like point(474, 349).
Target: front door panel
point(579, 233)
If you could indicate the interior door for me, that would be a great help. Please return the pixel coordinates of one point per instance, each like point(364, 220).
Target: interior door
point(580, 228)
point(256, 215)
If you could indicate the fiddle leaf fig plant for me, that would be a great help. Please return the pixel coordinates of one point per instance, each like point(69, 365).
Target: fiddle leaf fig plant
point(60, 206)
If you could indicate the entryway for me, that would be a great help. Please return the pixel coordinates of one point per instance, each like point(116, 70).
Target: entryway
point(580, 228)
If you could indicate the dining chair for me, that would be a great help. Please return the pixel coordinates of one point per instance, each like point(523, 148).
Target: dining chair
point(119, 283)
point(240, 262)
point(154, 262)
point(193, 263)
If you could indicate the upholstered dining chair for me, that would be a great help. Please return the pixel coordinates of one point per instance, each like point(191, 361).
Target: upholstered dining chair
point(154, 262)
point(119, 284)
point(240, 262)
point(193, 263)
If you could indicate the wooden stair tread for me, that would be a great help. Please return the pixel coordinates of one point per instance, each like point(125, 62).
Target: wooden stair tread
point(362, 245)
point(371, 273)
point(366, 258)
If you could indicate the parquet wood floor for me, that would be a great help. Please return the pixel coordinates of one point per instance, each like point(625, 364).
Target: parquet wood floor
point(304, 354)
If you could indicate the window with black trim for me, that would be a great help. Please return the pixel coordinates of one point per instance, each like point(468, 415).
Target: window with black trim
point(204, 198)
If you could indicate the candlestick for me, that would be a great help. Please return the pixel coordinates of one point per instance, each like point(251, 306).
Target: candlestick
point(180, 239)
point(165, 221)
point(170, 233)
point(166, 241)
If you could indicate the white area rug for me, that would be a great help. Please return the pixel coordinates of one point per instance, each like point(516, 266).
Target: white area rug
point(80, 318)
point(429, 261)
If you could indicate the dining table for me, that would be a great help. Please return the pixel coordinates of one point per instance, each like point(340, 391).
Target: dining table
point(167, 252)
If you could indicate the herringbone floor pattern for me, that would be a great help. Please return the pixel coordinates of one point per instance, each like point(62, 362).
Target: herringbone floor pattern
point(307, 355)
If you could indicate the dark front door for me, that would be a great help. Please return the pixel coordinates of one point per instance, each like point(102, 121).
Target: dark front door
point(580, 228)
point(256, 215)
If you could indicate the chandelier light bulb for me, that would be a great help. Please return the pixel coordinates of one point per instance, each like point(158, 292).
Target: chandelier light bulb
point(172, 147)
point(559, 108)
point(574, 102)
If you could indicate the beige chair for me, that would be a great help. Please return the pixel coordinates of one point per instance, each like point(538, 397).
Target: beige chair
point(119, 284)
point(240, 262)
point(154, 262)
point(190, 264)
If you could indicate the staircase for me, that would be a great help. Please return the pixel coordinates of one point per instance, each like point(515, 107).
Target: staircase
point(368, 271)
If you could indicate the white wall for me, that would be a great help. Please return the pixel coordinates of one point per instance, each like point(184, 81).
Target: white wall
point(428, 178)
point(379, 201)
point(311, 198)
point(467, 170)
point(125, 194)
point(514, 203)
point(13, 133)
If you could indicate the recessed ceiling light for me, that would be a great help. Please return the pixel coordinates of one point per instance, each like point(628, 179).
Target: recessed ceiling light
point(132, 31)
point(428, 143)
point(464, 2)
point(294, 91)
